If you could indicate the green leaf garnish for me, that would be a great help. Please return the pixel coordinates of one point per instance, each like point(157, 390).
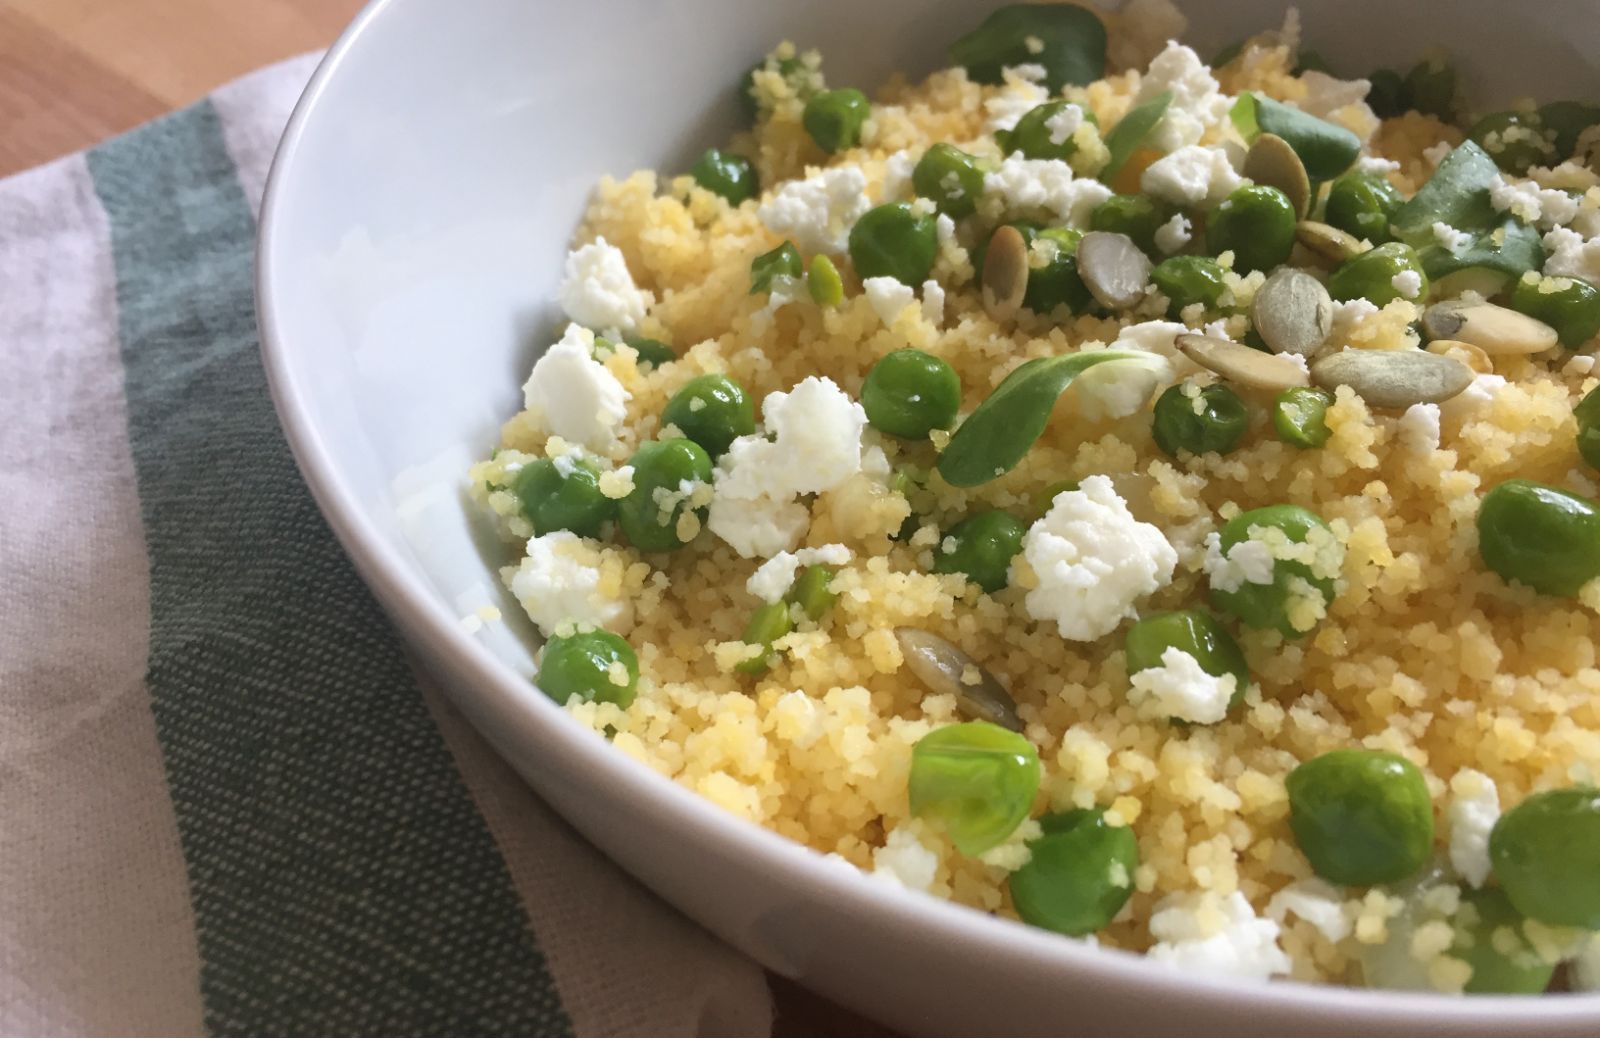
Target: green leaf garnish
point(1131, 130)
point(1457, 194)
point(1511, 248)
point(1004, 426)
point(1325, 149)
point(1068, 42)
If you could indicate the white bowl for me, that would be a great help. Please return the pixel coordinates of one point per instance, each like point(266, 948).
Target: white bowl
point(411, 239)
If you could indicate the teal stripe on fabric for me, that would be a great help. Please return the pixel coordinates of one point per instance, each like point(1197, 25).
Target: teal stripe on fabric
point(342, 879)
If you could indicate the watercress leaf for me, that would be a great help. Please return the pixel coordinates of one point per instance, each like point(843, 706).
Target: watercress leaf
point(1131, 130)
point(1003, 427)
point(1457, 194)
point(1511, 248)
point(1325, 149)
point(1069, 42)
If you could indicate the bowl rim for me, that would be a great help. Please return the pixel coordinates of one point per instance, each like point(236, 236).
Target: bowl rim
point(421, 615)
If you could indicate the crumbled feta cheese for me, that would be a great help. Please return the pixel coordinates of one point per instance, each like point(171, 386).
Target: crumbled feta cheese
point(1246, 562)
point(888, 297)
point(1202, 933)
point(1021, 186)
point(1571, 255)
point(1316, 901)
point(1419, 428)
point(1585, 971)
point(1092, 560)
point(933, 302)
point(817, 213)
point(897, 175)
point(1376, 163)
point(1181, 689)
point(773, 578)
point(558, 581)
point(1347, 315)
point(1408, 283)
point(1191, 176)
point(905, 860)
point(1478, 397)
point(1450, 239)
point(1062, 125)
point(1532, 204)
point(1174, 234)
point(574, 396)
point(758, 527)
point(1019, 93)
point(1327, 94)
point(597, 290)
point(1198, 103)
point(1474, 809)
point(1118, 388)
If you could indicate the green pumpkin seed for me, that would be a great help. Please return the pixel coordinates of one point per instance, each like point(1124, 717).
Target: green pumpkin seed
point(944, 669)
point(1272, 162)
point(1242, 365)
point(1293, 313)
point(1005, 273)
point(1328, 241)
point(1393, 379)
point(1113, 268)
point(1497, 331)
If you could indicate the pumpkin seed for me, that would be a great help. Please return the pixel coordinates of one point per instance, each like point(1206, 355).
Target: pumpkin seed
point(1271, 161)
point(945, 670)
point(1468, 354)
point(1243, 365)
point(1293, 313)
point(1005, 273)
point(1497, 331)
point(1113, 268)
point(1328, 241)
point(1393, 378)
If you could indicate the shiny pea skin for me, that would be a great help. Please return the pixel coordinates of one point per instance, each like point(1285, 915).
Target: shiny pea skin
point(585, 665)
point(1569, 305)
point(726, 174)
point(1300, 415)
point(1046, 498)
point(1053, 278)
point(1047, 131)
point(1546, 854)
point(711, 410)
point(661, 465)
point(782, 262)
point(976, 779)
point(1269, 606)
point(1187, 280)
point(652, 352)
point(553, 499)
point(1195, 632)
point(951, 178)
point(767, 624)
point(1209, 420)
point(1501, 965)
point(1431, 87)
point(813, 593)
point(1361, 204)
point(1257, 224)
point(1137, 216)
point(834, 118)
point(1079, 873)
point(1372, 275)
point(981, 547)
point(1516, 141)
point(909, 393)
point(1361, 817)
point(894, 241)
point(1588, 415)
point(1540, 535)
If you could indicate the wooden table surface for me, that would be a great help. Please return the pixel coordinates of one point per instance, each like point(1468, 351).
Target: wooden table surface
point(73, 72)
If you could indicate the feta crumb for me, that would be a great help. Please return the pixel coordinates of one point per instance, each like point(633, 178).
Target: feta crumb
point(1174, 234)
point(1327, 94)
point(1198, 103)
point(1020, 92)
point(905, 860)
point(1450, 239)
point(1181, 689)
point(897, 175)
point(574, 396)
point(1532, 204)
point(1571, 255)
point(1478, 397)
point(1376, 163)
point(758, 527)
point(1092, 561)
point(888, 297)
point(1062, 125)
point(817, 213)
point(1316, 901)
point(1419, 428)
point(1474, 809)
point(597, 290)
point(933, 302)
point(1022, 185)
point(1118, 388)
point(773, 578)
point(558, 581)
point(1248, 561)
point(1408, 283)
point(1202, 933)
point(1192, 176)
point(1347, 315)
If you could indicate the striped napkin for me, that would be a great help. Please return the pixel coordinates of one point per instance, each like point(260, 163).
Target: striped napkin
point(228, 803)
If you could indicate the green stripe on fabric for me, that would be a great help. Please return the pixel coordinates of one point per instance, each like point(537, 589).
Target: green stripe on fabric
point(342, 879)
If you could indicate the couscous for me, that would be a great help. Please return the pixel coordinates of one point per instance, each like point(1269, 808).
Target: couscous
point(1147, 499)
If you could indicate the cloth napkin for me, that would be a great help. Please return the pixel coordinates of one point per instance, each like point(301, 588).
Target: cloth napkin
point(228, 803)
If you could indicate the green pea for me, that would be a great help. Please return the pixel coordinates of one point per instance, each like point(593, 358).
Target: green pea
point(1516, 141)
point(726, 174)
point(1490, 938)
point(652, 352)
point(767, 625)
point(1361, 204)
point(782, 262)
point(1053, 278)
point(1301, 416)
point(977, 779)
point(1588, 415)
point(824, 283)
point(1277, 606)
point(1211, 421)
point(812, 592)
point(1387, 96)
point(1540, 536)
point(1038, 134)
point(985, 544)
point(1257, 224)
point(1079, 873)
point(1371, 275)
point(1567, 120)
point(1569, 305)
point(951, 178)
point(711, 410)
point(1546, 854)
point(1361, 817)
point(909, 393)
point(1192, 631)
point(663, 465)
point(583, 665)
point(894, 241)
point(1137, 216)
point(553, 499)
point(834, 118)
point(1046, 498)
point(1187, 280)
point(1431, 87)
